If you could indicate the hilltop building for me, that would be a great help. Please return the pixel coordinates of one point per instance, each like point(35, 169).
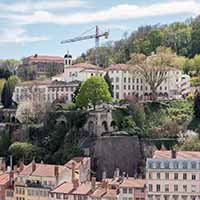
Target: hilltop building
point(172, 175)
point(44, 66)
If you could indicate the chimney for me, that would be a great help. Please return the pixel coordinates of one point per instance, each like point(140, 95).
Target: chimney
point(75, 183)
point(173, 154)
point(11, 178)
point(105, 185)
point(21, 166)
point(3, 165)
point(56, 171)
point(35, 56)
point(73, 171)
point(33, 166)
point(15, 169)
point(117, 171)
point(104, 175)
point(93, 184)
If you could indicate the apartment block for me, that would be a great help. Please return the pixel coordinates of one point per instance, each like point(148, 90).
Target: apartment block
point(172, 175)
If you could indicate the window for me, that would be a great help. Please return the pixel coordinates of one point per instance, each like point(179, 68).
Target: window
point(175, 165)
point(150, 165)
point(166, 165)
point(133, 87)
point(125, 190)
point(129, 87)
point(193, 177)
point(117, 79)
point(158, 164)
point(137, 80)
point(124, 79)
point(150, 175)
point(158, 175)
point(176, 176)
point(166, 176)
point(58, 196)
point(193, 165)
point(185, 188)
point(150, 187)
point(184, 176)
point(117, 95)
point(193, 188)
point(158, 188)
point(167, 188)
point(65, 196)
point(175, 188)
point(137, 88)
point(185, 165)
point(117, 87)
point(130, 190)
point(141, 88)
point(125, 87)
point(129, 80)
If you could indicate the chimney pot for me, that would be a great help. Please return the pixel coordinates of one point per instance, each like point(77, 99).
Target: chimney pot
point(173, 154)
point(33, 166)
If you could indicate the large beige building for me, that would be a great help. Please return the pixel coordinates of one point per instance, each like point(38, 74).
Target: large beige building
point(172, 175)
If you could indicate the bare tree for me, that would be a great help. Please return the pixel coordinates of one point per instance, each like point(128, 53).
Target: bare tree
point(153, 68)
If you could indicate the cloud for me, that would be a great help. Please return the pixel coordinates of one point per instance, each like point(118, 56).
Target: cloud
point(119, 12)
point(18, 35)
point(30, 6)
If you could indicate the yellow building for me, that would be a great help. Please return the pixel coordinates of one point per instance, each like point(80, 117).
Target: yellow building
point(36, 180)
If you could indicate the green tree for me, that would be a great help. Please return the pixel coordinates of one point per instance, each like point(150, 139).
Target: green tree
point(12, 82)
point(6, 96)
point(109, 82)
point(155, 37)
point(196, 64)
point(197, 105)
point(25, 151)
point(2, 82)
point(93, 91)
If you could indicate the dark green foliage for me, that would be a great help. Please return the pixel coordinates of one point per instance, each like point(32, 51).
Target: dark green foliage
point(26, 73)
point(109, 82)
point(6, 96)
point(76, 93)
point(197, 105)
point(5, 73)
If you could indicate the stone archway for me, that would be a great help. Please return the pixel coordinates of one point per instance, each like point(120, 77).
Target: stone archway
point(105, 126)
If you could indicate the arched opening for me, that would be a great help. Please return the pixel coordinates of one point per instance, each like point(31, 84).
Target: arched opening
point(166, 95)
point(113, 124)
point(13, 119)
point(105, 126)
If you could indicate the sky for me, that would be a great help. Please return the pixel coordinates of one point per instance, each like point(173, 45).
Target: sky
point(29, 27)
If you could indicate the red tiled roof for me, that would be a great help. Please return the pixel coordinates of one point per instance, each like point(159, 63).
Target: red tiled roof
point(86, 66)
point(78, 161)
point(4, 179)
point(111, 193)
point(64, 188)
point(134, 183)
point(34, 82)
point(41, 58)
point(118, 67)
point(179, 155)
point(43, 170)
point(83, 189)
point(98, 192)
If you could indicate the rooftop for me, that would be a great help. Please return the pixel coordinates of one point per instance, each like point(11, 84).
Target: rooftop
point(83, 189)
point(182, 155)
point(43, 170)
point(133, 183)
point(78, 161)
point(64, 188)
point(87, 66)
point(44, 58)
point(4, 178)
point(118, 67)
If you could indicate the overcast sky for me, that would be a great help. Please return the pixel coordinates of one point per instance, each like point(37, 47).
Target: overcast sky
point(28, 27)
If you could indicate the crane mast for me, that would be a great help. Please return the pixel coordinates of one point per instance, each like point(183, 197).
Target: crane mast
point(97, 36)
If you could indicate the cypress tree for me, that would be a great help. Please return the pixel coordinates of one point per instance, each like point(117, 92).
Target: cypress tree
point(109, 82)
point(197, 105)
point(6, 96)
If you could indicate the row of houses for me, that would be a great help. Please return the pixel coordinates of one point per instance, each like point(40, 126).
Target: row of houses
point(170, 175)
point(125, 84)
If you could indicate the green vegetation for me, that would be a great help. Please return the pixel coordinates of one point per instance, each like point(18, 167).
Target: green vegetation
point(93, 91)
point(197, 105)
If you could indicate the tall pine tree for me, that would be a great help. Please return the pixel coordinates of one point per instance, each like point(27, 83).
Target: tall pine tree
point(6, 96)
point(197, 105)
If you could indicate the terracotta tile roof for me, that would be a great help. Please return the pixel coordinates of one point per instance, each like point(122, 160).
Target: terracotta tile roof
point(179, 155)
point(42, 58)
point(83, 189)
point(64, 188)
point(86, 66)
point(111, 193)
point(43, 170)
point(133, 183)
point(98, 192)
point(118, 67)
point(4, 179)
point(78, 162)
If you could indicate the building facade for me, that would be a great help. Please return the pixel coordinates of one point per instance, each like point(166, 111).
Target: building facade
point(172, 175)
point(44, 66)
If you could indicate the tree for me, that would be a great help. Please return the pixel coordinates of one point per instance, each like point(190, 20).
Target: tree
point(93, 91)
point(11, 65)
point(12, 82)
point(109, 82)
point(25, 151)
point(76, 93)
point(155, 37)
point(153, 68)
point(2, 82)
point(6, 96)
point(197, 105)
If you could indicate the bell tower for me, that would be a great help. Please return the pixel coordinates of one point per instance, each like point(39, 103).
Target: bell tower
point(67, 60)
